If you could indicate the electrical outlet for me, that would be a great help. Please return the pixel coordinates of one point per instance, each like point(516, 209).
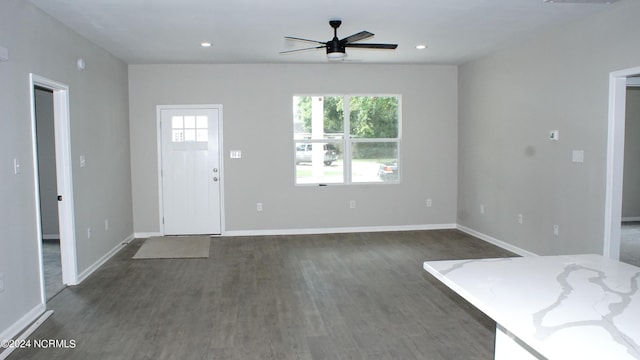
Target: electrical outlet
point(556, 230)
point(1, 283)
point(83, 161)
point(106, 224)
point(259, 206)
point(520, 219)
point(352, 204)
point(88, 233)
point(481, 209)
point(429, 203)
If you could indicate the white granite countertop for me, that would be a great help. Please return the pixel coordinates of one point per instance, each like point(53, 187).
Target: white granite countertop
point(564, 307)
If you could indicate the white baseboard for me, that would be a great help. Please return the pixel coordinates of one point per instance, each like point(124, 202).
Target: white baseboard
point(14, 330)
point(20, 339)
point(85, 274)
point(631, 218)
point(496, 242)
point(337, 230)
point(145, 235)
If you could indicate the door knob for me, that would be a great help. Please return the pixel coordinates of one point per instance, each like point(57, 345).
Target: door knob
point(215, 178)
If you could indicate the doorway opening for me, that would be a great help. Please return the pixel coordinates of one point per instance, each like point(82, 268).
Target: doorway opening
point(618, 83)
point(50, 99)
point(630, 231)
point(48, 192)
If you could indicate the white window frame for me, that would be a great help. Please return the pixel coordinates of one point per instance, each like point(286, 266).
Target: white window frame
point(347, 140)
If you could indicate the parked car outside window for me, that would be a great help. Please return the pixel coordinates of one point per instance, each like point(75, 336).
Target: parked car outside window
point(304, 151)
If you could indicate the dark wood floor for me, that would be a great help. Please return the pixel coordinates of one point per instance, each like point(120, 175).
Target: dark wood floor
point(338, 296)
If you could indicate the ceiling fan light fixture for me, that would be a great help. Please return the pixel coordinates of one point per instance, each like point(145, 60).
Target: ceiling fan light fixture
point(336, 55)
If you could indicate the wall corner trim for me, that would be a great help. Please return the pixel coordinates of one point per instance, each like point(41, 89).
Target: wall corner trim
point(34, 326)
point(15, 329)
point(95, 266)
point(496, 242)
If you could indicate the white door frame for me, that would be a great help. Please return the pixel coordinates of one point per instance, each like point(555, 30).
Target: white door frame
point(159, 109)
point(615, 160)
point(64, 178)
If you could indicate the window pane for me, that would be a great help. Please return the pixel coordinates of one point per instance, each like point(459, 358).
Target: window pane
point(177, 135)
point(202, 135)
point(202, 122)
point(319, 163)
point(318, 117)
point(176, 122)
point(190, 122)
point(189, 135)
point(373, 117)
point(374, 161)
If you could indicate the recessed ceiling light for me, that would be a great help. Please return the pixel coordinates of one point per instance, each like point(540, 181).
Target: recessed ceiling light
point(205, 44)
point(421, 47)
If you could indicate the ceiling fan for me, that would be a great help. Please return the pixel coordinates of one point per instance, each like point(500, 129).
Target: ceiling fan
point(336, 47)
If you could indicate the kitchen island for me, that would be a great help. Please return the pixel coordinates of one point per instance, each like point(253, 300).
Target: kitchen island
point(552, 307)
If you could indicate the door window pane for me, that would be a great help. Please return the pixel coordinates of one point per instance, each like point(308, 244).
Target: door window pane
point(189, 122)
point(189, 135)
point(202, 135)
point(177, 122)
point(177, 135)
point(202, 122)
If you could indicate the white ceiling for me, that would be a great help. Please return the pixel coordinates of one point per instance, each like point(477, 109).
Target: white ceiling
point(252, 31)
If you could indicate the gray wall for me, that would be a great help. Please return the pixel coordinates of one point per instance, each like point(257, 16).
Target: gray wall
point(631, 187)
point(509, 101)
point(257, 101)
point(99, 130)
point(47, 163)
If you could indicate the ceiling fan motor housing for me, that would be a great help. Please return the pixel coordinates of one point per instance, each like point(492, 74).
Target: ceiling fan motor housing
point(334, 46)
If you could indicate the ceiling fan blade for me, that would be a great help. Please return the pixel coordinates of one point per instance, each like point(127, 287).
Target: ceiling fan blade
point(301, 39)
point(373, 46)
point(296, 50)
point(356, 37)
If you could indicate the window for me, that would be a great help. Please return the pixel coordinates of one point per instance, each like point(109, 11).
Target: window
point(346, 139)
point(189, 129)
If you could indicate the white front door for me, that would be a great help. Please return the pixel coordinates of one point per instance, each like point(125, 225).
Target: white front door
point(190, 170)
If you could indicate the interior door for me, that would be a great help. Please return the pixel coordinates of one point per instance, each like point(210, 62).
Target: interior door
point(190, 170)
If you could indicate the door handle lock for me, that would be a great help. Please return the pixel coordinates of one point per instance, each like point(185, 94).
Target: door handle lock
point(215, 170)
point(215, 178)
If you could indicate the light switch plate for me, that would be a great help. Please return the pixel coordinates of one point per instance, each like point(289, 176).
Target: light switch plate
point(235, 154)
